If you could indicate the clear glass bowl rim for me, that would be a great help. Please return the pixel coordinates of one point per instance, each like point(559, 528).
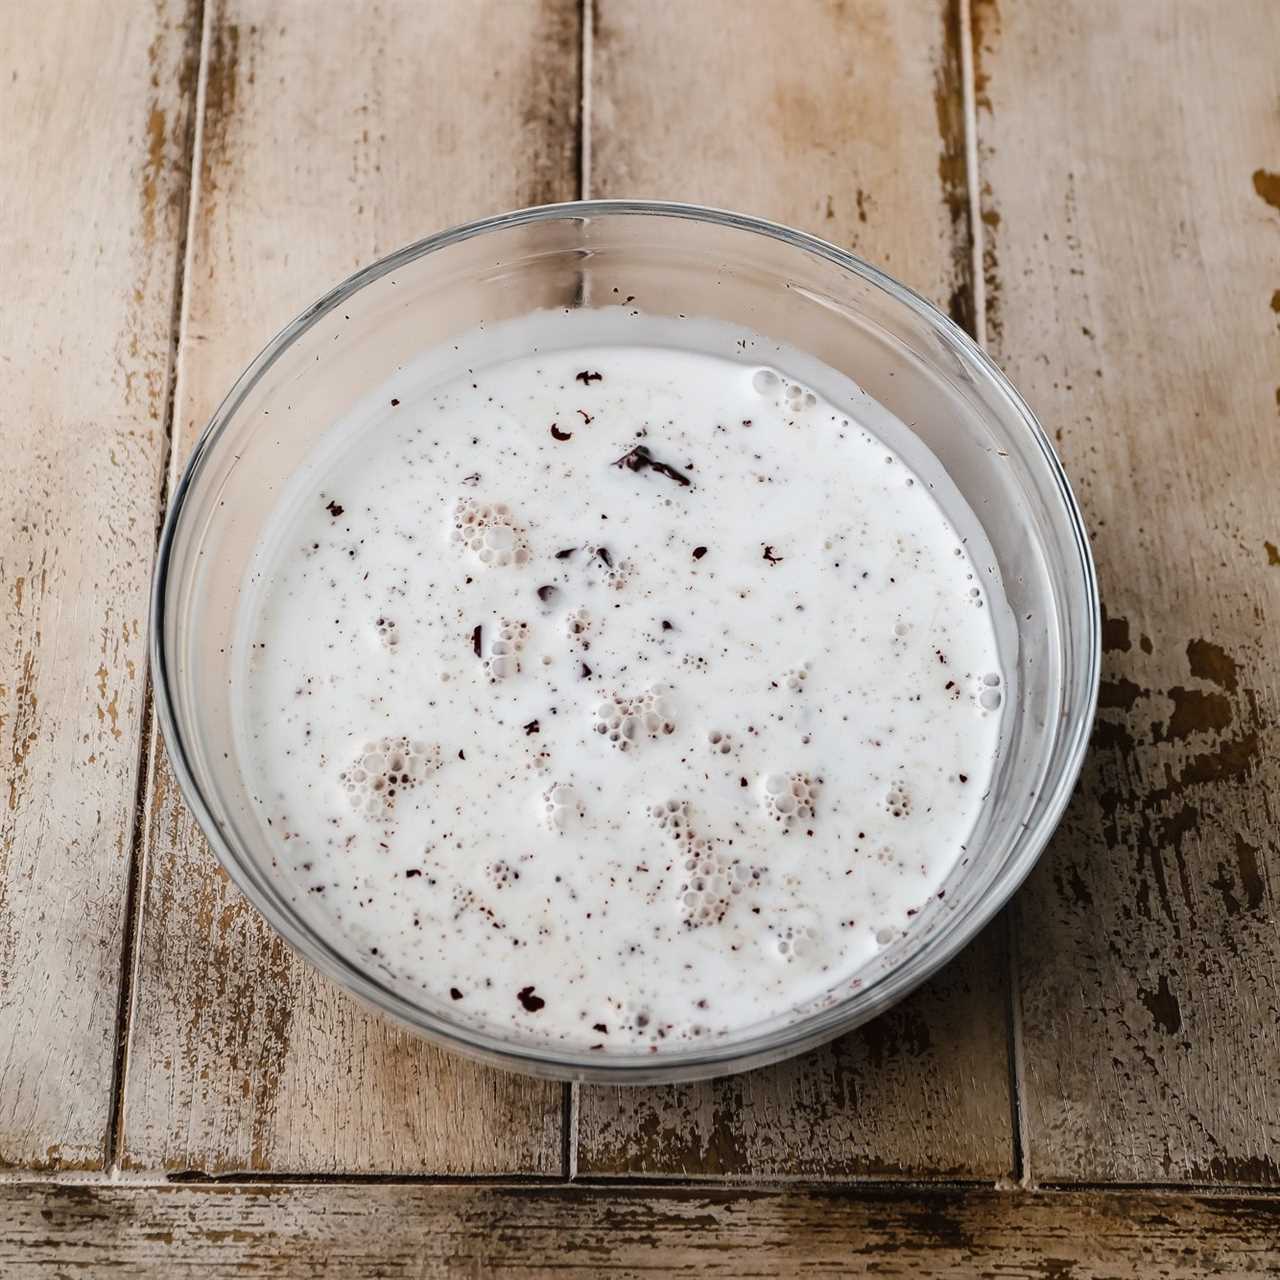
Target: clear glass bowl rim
point(738, 1055)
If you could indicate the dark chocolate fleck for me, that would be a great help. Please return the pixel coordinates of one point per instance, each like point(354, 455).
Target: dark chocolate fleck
point(566, 553)
point(473, 478)
point(531, 728)
point(601, 1028)
point(334, 509)
point(394, 402)
point(546, 593)
point(412, 871)
point(530, 1002)
point(585, 377)
point(475, 639)
point(699, 552)
point(769, 556)
point(667, 626)
point(586, 672)
point(557, 434)
point(639, 458)
point(605, 557)
point(455, 993)
point(587, 418)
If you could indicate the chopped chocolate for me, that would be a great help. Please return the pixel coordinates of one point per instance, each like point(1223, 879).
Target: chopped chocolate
point(394, 402)
point(475, 639)
point(699, 552)
point(334, 509)
point(473, 478)
point(638, 458)
point(455, 993)
point(600, 1027)
point(557, 434)
point(531, 728)
point(769, 556)
point(586, 377)
point(566, 553)
point(530, 1002)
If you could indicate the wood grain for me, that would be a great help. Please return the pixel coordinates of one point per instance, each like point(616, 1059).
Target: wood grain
point(331, 134)
point(469, 1231)
point(845, 119)
point(95, 103)
point(1132, 215)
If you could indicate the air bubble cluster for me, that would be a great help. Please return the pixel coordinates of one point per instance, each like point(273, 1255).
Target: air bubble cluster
point(795, 678)
point(989, 696)
point(614, 573)
point(789, 797)
point(489, 532)
point(578, 624)
point(384, 770)
point(790, 395)
point(388, 633)
point(502, 653)
point(709, 879)
point(502, 873)
point(795, 942)
point(560, 806)
point(898, 801)
point(721, 744)
point(625, 720)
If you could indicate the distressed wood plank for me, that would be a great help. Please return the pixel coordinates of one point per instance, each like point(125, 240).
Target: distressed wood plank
point(331, 135)
point(95, 102)
point(844, 119)
point(1130, 161)
point(423, 1232)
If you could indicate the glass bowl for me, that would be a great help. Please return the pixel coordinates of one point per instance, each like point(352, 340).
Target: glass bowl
point(677, 259)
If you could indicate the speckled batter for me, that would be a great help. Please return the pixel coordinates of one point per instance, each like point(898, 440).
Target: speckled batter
point(616, 695)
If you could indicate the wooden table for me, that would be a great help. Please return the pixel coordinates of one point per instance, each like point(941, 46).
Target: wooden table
point(1093, 188)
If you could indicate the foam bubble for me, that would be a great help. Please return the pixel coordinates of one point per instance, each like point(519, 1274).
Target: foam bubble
point(383, 770)
point(502, 651)
point(766, 382)
point(490, 533)
point(560, 806)
point(789, 797)
point(795, 678)
point(898, 801)
point(720, 743)
point(624, 721)
point(388, 633)
point(709, 878)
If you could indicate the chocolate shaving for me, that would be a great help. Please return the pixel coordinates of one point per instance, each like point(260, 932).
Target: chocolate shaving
point(699, 552)
point(334, 509)
point(531, 728)
point(667, 626)
point(605, 557)
point(639, 458)
point(557, 434)
point(566, 553)
point(586, 672)
point(584, 377)
point(769, 556)
point(530, 1002)
point(455, 993)
point(475, 639)
point(546, 593)
point(473, 478)
point(587, 418)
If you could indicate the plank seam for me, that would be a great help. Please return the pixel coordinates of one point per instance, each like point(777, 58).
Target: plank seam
point(977, 247)
point(586, 55)
point(135, 891)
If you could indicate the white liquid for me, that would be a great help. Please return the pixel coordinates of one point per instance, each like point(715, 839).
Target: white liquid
point(594, 757)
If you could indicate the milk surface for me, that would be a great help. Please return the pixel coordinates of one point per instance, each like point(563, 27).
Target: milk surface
point(624, 692)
